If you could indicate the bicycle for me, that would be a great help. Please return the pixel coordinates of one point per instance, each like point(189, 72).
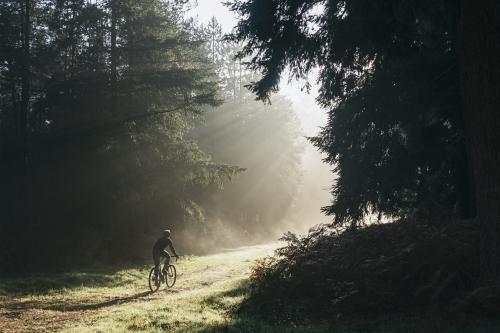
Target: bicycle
point(169, 278)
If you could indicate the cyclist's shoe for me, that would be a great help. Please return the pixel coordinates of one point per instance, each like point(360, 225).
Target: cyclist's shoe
point(162, 279)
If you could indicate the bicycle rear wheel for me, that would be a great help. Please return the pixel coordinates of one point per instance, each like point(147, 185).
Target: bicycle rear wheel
point(154, 280)
point(171, 276)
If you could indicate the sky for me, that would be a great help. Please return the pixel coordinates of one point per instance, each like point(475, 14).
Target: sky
point(205, 9)
point(317, 177)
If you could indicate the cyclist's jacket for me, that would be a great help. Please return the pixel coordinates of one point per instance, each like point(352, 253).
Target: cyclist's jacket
point(161, 244)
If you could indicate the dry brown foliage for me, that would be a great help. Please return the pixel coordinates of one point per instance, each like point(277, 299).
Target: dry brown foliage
point(396, 268)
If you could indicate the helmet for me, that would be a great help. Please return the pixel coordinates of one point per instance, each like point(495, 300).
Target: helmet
point(166, 233)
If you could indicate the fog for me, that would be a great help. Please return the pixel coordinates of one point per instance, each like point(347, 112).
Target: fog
point(316, 176)
point(314, 190)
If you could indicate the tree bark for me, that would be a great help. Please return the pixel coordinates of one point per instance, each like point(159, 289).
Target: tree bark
point(480, 74)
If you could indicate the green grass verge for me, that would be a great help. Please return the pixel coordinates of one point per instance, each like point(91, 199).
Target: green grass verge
point(212, 310)
point(206, 298)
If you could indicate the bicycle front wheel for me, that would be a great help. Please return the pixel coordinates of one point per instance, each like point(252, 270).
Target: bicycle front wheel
point(154, 280)
point(171, 276)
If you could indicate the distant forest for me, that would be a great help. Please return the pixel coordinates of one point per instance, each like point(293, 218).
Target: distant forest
point(122, 118)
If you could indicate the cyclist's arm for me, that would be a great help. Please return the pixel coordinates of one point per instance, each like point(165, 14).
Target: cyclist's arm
point(172, 248)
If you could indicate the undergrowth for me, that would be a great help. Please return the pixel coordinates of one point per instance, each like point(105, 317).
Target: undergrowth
point(388, 270)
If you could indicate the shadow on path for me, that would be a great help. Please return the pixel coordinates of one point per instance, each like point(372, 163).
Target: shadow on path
point(50, 283)
point(100, 305)
point(75, 307)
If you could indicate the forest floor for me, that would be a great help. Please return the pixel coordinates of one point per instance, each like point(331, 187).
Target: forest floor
point(205, 298)
point(207, 290)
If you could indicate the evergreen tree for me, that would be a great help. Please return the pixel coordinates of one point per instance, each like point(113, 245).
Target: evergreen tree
point(98, 99)
point(479, 65)
point(400, 113)
point(230, 70)
point(388, 78)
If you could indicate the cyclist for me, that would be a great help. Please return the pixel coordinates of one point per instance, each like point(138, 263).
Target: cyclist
point(159, 251)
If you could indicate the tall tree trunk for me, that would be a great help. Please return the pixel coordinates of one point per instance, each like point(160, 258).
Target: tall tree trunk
point(114, 56)
point(18, 164)
point(235, 78)
point(25, 73)
point(73, 39)
point(240, 85)
point(213, 48)
point(13, 89)
point(480, 70)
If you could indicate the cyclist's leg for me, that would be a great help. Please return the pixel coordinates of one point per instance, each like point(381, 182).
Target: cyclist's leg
point(156, 259)
point(167, 261)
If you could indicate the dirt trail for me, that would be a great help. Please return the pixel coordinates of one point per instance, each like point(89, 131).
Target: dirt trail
point(53, 312)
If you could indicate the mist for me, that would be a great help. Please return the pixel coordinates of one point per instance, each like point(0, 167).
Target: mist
point(316, 178)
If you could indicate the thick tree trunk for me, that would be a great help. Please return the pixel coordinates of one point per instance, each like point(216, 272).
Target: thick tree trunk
point(480, 70)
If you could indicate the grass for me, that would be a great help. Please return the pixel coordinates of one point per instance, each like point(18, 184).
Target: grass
point(53, 283)
point(207, 311)
point(208, 291)
point(108, 300)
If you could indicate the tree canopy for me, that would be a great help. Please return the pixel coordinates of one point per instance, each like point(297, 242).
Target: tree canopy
point(412, 95)
point(387, 76)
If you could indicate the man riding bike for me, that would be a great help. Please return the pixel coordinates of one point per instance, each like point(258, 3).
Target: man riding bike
point(159, 251)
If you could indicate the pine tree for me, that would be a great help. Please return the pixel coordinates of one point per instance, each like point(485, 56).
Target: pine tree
point(399, 113)
point(394, 135)
point(97, 103)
